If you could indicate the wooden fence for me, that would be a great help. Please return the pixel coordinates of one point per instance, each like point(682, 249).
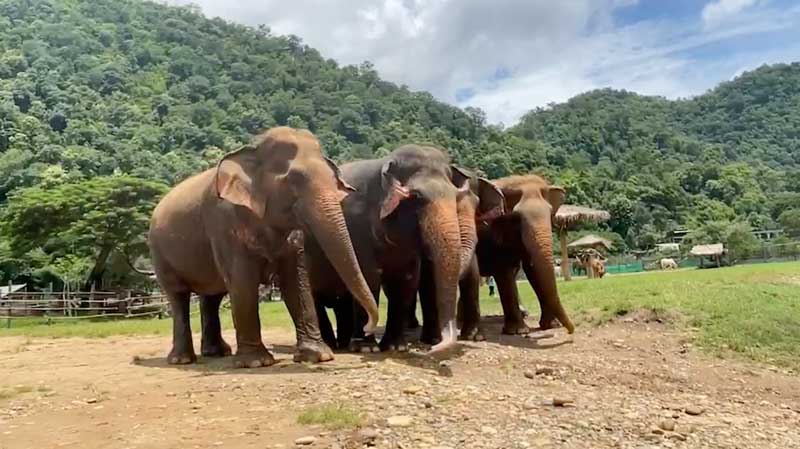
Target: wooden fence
point(55, 306)
point(81, 305)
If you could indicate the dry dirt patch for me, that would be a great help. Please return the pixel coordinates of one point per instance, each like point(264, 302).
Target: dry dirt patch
point(626, 384)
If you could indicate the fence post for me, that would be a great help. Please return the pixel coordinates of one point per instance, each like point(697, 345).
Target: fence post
point(8, 298)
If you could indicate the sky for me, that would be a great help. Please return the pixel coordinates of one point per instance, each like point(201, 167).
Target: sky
point(510, 56)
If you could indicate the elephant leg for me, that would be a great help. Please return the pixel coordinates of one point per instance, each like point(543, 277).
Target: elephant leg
point(401, 292)
point(514, 323)
point(359, 341)
point(344, 323)
point(431, 331)
point(411, 321)
point(212, 344)
point(548, 318)
point(296, 292)
point(325, 326)
point(243, 283)
point(182, 351)
point(469, 308)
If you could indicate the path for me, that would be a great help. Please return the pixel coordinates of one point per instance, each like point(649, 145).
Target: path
point(628, 385)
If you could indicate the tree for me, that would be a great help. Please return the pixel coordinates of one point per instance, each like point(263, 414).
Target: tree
point(790, 222)
point(87, 219)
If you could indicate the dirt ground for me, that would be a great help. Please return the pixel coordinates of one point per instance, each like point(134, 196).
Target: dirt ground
point(628, 384)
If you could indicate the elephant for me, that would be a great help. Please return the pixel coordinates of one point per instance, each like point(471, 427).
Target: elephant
point(523, 236)
point(402, 217)
point(228, 229)
point(483, 203)
point(668, 264)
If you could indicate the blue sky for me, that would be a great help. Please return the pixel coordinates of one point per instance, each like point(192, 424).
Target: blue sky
point(509, 56)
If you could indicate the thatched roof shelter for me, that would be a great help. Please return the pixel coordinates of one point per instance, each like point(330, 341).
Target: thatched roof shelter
point(713, 252)
point(591, 241)
point(717, 249)
point(569, 216)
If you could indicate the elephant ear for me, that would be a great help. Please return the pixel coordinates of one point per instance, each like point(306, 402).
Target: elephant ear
point(492, 200)
point(394, 191)
point(344, 187)
point(556, 196)
point(460, 178)
point(236, 180)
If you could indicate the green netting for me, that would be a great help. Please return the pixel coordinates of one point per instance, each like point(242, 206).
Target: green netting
point(633, 267)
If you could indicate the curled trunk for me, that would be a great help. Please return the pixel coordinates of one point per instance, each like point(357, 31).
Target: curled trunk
point(439, 226)
point(537, 238)
point(327, 223)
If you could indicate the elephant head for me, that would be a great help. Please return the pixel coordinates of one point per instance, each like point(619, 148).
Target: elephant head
point(483, 203)
point(531, 203)
point(286, 182)
point(420, 196)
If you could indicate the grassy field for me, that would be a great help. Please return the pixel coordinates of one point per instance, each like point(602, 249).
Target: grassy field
point(753, 310)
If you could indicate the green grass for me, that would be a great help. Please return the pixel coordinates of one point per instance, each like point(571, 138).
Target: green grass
point(331, 416)
point(753, 310)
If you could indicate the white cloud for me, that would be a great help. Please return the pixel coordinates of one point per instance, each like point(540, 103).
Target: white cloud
point(718, 11)
point(548, 51)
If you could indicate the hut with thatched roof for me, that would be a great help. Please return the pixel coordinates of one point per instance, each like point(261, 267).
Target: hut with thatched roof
point(568, 217)
point(713, 252)
point(591, 241)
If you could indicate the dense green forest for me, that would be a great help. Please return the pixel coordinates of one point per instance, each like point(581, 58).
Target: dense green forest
point(103, 96)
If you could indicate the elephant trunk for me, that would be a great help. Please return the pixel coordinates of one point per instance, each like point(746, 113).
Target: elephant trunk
point(327, 223)
point(439, 226)
point(469, 236)
point(537, 237)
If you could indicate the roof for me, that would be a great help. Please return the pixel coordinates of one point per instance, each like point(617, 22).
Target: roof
point(590, 241)
point(668, 246)
point(14, 288)
point(708, 250)
point(568, 215)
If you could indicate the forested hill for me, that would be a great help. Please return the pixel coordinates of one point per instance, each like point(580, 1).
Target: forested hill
point(91, 87)
point(102, 87)
point(729, 155)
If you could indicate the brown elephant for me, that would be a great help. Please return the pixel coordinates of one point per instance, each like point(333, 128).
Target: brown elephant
point(483, 203)
point(228, 229)
point(523, 236)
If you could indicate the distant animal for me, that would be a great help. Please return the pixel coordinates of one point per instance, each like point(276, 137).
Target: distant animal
point(668, 264)
point(557, 270)
point(599, 268)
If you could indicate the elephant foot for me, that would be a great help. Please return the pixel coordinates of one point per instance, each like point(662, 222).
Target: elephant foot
point(430, 336)
point(367, 344)
point(549, 324)
point(413, 322)
point(312, 352)
point(216, 349)
point(252, 357)
point(179, 356)
point(472, 333)
point(516, 328)
point(394, 343)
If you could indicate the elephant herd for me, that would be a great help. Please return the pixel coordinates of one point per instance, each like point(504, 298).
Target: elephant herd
point(411, 224)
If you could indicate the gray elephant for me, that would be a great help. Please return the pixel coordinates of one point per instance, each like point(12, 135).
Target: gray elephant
point(227, 230)
point(404, 215)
